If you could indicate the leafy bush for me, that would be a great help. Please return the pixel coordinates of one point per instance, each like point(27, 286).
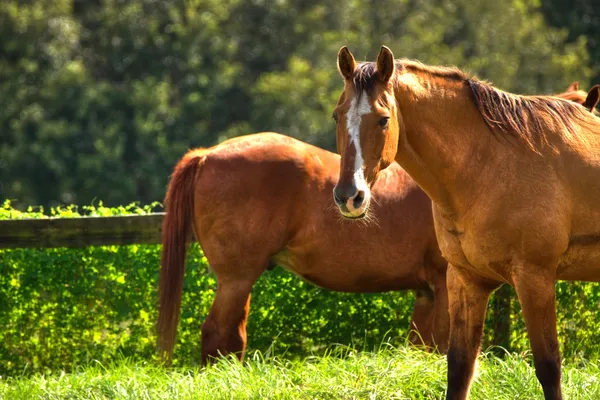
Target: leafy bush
point(65, 307)
point(103, 97)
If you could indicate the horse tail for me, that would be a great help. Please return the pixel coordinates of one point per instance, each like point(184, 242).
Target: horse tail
point(176, 230)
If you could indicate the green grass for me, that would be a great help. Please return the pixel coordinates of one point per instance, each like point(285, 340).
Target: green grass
point(343, 374)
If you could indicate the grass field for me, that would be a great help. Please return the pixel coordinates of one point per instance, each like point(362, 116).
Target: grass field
point(343, 374)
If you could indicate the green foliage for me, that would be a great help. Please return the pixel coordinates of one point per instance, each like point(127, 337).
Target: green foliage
point(578, 307)
point(100, 98)
point(343, 373)
point(66, 307)
point(581, 19)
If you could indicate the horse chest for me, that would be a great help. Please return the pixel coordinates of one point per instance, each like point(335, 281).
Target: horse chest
point(470, 251)
point(449, 239)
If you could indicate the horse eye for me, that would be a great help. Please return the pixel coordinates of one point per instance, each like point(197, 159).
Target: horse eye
point(335, 117)
point(384, 121)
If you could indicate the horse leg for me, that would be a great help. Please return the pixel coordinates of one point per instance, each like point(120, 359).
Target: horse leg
point(224, 330)
point(421, 324)
point(441, 318)
point(467, 298)
point(538, 299)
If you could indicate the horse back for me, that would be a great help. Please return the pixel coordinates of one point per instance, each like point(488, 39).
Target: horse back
point(254, 190)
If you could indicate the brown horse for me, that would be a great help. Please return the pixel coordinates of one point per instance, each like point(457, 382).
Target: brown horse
point(414, 261)
point(266, 198)
point(515, 182)
point(589, 100)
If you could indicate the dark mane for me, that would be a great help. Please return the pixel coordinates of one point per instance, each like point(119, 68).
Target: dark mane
point(365, 76)
point(514, 115)
point(521, 116)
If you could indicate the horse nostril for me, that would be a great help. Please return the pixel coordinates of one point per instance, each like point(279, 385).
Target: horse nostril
point(359, 198)
point(339, 201)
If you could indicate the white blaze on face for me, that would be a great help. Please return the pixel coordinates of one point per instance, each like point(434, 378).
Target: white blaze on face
point(359, 106)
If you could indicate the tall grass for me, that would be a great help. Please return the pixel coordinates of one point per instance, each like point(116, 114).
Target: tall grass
point(343, 373)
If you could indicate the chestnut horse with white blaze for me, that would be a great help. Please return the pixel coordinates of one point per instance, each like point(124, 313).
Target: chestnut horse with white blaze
point(265, 199)
point(515, 184)
point(273, 207)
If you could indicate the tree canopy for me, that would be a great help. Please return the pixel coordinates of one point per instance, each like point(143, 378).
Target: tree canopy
point(98, 99)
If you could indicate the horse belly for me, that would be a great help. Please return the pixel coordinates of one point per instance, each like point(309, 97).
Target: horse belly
point(355, 273)
point(581, 262)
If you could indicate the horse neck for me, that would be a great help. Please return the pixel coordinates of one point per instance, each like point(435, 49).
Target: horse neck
point(440, 137)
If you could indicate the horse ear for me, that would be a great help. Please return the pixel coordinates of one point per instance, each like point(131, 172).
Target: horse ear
point(592, 98)
point(346, 63)
point(573, 87)
point(385, 64)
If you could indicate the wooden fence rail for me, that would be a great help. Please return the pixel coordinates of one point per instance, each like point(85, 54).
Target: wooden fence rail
point(81, 231)
point(146, 229)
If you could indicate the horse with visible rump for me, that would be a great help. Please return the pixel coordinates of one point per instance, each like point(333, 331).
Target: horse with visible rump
point(264, 199)
point(515, 182)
